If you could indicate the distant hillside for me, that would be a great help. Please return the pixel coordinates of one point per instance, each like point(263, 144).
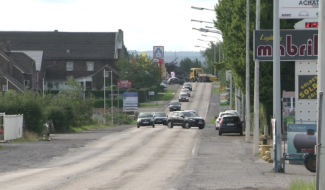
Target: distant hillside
point(180, 55)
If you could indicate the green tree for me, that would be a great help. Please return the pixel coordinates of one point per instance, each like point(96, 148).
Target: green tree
point(186, 65)
point(142, 71)
point(231, 21)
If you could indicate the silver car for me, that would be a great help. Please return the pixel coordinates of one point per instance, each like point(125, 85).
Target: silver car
point(221, 114)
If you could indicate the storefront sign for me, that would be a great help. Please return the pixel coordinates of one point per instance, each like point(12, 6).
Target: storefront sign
point(294, 45)
point(298, 9)
point(124, 83)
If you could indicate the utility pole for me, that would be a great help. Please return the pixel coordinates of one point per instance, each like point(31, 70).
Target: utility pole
point(248, 122)
point(257, 90)
point(320, 143)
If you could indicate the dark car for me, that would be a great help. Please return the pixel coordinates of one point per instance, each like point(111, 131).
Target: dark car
point(188, 86)
point(174, 106)
point(230, 124)
point(175, 80)
point(186, 119)
point(160, 118)
point(145, 119)
point(183, 97)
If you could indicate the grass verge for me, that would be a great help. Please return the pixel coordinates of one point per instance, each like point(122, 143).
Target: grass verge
point(2, 147)
point(217, 90)
point(87, 127)
point(143, 105)
point(300, 184)
point(224, 104)
point(163, 97)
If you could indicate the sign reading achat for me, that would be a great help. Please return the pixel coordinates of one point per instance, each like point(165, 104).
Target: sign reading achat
point(294, 45)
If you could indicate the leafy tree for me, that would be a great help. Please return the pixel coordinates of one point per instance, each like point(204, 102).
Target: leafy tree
point(231, 21)
point(142, 71)
point(186, 65)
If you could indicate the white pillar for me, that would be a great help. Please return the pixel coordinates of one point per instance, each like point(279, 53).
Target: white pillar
point(248, 122)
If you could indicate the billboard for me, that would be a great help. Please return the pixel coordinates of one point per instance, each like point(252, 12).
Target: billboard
point(298, 9)
point(294, 45)
point(130, 101)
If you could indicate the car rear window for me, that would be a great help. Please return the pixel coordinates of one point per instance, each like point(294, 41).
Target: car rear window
point(174, 103)
point(230, 119)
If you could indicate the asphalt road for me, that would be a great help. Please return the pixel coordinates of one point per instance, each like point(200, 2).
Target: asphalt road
point(125, 157)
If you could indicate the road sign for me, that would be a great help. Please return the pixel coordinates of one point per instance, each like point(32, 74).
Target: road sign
point(158, 52)
point(124, 83)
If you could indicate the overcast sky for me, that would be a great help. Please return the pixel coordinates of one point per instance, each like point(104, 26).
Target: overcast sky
point(145, 23)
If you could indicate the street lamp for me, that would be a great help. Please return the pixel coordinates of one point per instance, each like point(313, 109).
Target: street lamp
point(201, 21)
point(207, 30)
point(200, 8)
point(202, 47)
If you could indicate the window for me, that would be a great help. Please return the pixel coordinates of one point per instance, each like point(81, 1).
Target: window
point(69, 66)
point(90, 66)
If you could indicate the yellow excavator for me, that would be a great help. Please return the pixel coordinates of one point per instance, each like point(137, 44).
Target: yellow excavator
point(197, 75)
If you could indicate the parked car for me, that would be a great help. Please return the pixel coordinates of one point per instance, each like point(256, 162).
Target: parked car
point(160, 118)
point(185, 119)
point(175, 80)
point(188, 86)
point(233, 112)
point(165, 81)
point(221, 114)
point(174, 106)
point(183, 97)
point(145, 119)
point(186, 90)
point(230, 124)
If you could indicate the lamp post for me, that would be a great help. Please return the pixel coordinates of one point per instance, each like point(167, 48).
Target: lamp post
point(106, 75)
point(215, 72)
point(207, 30)
point(214, 52)
point(201, 21)
point(201, 8)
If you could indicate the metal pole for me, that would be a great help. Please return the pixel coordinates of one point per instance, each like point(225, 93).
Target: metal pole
point(112, 96)
point(257, 90)
point(319, 137)
point(43, 87)
point(248, 122)
point(118, 103)
point(214, 50)
point(84, 89)
point(231, 97)
point(104, 114)
point(277, 85)
point(320, 159)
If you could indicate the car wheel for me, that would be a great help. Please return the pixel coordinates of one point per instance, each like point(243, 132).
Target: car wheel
point(170, 124)
point(153, 126)
point(201, 127)
point(220, 133)
point(310, 162)
point(187, 125)
point(241, 133)
point(138, 126)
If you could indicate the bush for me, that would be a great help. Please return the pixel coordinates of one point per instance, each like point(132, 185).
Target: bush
point(58, 117)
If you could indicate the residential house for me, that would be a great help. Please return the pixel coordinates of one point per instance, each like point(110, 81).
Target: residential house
point(58, 56)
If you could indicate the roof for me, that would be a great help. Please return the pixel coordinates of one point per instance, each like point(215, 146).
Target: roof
point(23, 62)
point(63, 45)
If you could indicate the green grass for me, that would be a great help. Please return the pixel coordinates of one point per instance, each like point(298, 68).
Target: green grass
point(300, 184)
point(224, 104)
point(213, 121)
point(217, 90)
point(170, 91)
point(163, 97)
point(134, 122)
point(87, 127)
point(2, 147)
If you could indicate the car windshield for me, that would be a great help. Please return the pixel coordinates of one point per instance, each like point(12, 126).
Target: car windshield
point(230, 119)
point(183, 95)
point(141, 115)
point(185, 90)
point(160, 114)
point(187, 85)
point(174, 103)
point(189, 114)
